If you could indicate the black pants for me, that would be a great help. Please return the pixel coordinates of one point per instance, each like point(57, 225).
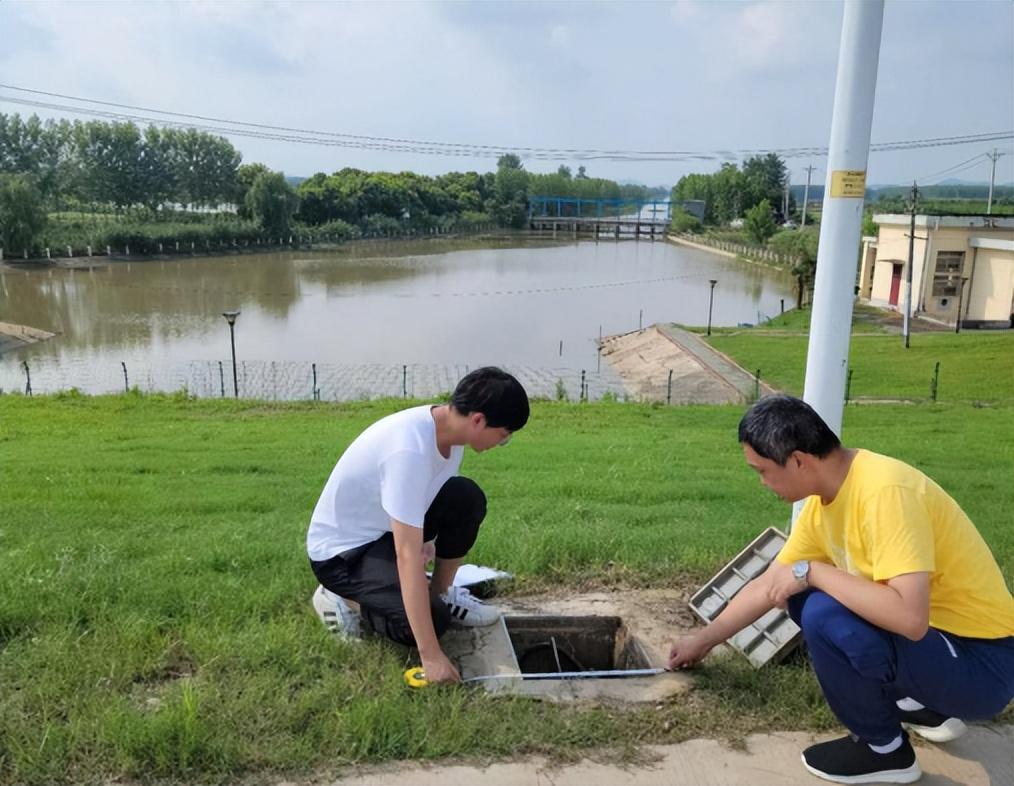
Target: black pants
point(368, 574)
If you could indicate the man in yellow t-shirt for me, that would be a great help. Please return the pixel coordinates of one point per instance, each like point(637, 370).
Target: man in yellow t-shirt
point(903, 608)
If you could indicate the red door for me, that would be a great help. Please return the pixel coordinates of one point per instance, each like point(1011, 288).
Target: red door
point(895, 284)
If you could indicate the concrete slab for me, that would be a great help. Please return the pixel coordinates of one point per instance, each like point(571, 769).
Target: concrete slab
point(482, 651)
point(983, 757)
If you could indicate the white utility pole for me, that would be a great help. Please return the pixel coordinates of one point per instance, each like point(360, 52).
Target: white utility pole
point(806, 193)
point(841, 218)
point(994, 157)
point(842, 215)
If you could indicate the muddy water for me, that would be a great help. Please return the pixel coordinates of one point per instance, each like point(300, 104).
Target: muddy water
point(509, 301)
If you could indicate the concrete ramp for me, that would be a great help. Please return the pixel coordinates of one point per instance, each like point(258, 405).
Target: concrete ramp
point(700, 374)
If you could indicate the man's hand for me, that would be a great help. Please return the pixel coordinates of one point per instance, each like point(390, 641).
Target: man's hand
point(781, 584)
point(439, 669)
point(429, 552)
point(688, 651)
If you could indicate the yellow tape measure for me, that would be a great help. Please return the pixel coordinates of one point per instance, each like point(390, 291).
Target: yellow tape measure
point(416, 678)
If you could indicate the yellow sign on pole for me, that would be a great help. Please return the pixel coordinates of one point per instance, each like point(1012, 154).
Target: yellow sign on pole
point(850, 183)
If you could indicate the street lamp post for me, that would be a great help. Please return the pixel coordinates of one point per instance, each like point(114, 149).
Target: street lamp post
point(961, 294)
point(711, 301)
point(231, 318)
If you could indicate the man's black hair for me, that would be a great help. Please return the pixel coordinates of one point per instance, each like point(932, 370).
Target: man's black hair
point(494, 393)
point(777, 426)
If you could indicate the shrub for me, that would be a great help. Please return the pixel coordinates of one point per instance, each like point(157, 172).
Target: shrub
point(759, 222)
point(682, 221)
point(144, 238)
point(336, 230)
point(379, 224)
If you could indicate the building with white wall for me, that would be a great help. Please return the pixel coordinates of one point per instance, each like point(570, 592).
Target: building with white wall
point(963, 268)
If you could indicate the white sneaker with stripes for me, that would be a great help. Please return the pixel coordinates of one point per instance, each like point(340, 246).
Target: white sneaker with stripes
point(336, 615)
point(467, 610)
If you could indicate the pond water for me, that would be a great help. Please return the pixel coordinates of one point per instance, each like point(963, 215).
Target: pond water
point(517, 301)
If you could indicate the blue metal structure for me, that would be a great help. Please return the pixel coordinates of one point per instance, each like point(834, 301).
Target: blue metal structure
point(572, 207)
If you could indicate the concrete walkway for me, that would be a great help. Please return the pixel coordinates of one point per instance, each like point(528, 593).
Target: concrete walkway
point(720, 363)
point(983, 757)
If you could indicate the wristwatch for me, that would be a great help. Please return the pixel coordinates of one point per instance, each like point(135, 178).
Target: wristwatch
point(801, 571)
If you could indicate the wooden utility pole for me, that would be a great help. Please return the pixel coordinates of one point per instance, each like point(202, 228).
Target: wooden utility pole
point(994, 156)
point(806, 193)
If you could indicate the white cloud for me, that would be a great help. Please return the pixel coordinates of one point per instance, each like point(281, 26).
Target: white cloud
point(687, 75)
point(559, 36)
point(686, 11)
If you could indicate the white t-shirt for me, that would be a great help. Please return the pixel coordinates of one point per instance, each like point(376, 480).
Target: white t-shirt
point(393, 470)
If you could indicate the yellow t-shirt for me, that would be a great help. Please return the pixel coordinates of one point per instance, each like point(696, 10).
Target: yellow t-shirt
point(889, 519)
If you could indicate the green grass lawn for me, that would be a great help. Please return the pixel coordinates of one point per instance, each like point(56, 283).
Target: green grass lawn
point(154, 598)
point(974, 365)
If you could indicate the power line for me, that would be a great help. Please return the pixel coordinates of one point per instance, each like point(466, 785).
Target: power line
point(935, 180)
point(951, 169)
point(429, 147)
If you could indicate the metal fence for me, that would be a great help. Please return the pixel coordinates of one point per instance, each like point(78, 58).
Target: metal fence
point(297, 380)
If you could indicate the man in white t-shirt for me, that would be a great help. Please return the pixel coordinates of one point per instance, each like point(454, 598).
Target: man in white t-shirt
point(394, 501)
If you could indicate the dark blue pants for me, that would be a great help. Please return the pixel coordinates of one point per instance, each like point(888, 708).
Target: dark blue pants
point(864, 669)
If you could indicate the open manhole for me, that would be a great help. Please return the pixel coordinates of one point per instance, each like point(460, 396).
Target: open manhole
point(565, 645)
point(565, 657)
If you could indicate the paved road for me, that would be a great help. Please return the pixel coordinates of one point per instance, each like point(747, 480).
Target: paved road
point(983, 757)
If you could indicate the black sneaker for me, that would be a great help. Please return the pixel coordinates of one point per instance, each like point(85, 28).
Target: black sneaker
point(847, 760)
point(932, 725)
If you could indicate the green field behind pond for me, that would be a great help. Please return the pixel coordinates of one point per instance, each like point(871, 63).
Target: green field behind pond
point(974, 366)
point(155, 621)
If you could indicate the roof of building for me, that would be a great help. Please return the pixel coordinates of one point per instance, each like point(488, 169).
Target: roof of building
point(951, 221)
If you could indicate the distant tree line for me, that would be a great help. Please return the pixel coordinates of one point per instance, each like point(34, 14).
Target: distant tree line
point(142, 181)
point(955, 198)
point(731, 192)
point(751, 198)
point(375, 199)
point(96, 163)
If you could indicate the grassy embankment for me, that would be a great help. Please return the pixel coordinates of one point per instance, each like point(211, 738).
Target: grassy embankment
point(154, 615)
point(975, 366)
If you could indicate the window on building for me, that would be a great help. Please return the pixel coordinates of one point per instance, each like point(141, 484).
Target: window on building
point(947, 276)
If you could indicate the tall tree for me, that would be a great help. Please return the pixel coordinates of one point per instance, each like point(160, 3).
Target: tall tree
point(245, 177)
point(272, 202)
point(764, 178)
point(22, 212)
point(511, 191)
point(728, 193)
point(111, 157)
point(157, 173)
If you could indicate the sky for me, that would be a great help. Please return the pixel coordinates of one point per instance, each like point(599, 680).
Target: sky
point(686, 75)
